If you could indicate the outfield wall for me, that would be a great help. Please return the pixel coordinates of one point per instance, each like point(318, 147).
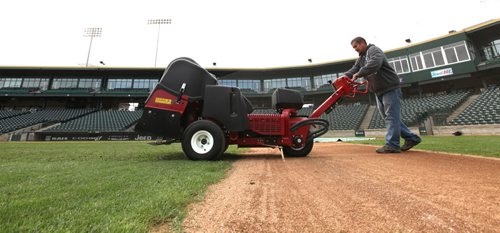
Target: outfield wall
point(493, 129)
point(467, 130)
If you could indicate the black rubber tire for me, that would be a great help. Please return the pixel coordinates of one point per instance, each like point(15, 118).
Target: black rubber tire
point(298, 152)
point(203, 129)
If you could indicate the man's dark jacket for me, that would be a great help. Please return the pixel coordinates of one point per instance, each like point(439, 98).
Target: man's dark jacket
point(373, 65)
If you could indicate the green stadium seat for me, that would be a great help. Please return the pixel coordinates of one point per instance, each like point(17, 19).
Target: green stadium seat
point(42, 116)
point(101, 121)
point(416, 109)
point(483, 110)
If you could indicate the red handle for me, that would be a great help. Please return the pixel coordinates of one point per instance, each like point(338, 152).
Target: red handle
point(357, 84)
point(349, 87)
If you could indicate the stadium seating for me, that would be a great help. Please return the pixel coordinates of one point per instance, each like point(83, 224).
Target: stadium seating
point(416, 109)
point(41, 116)
point(248, 91)
point(325, 87)
point(299, 89)
point(101, 121)
point(264, 111)
point(270, 91)
point(10, 113)
point(305, 111)
point(346, 116)
point(484, 110)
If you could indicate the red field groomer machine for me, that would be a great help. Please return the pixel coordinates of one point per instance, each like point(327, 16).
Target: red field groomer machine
point(189, 106)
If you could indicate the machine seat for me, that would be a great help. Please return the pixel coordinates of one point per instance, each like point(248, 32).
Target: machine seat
point(286, 98)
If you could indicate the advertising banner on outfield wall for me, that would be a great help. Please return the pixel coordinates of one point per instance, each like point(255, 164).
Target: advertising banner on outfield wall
point(96, 137)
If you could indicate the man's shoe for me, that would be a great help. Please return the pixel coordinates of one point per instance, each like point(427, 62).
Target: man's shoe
point(410, 143)
point(388, 149)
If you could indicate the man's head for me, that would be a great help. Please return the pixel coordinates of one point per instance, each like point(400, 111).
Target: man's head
point(359, 44)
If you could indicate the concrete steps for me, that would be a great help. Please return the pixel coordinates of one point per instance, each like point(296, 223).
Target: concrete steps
point(462, 107)
point(368, 117)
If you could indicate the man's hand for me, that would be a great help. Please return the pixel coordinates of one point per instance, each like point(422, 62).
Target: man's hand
point(355, 76)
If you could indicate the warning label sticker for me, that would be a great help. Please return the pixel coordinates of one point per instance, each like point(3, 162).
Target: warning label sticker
point(163, 101)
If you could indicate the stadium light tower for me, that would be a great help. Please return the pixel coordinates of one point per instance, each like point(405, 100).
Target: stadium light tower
point(158, 22)
point(91, 32)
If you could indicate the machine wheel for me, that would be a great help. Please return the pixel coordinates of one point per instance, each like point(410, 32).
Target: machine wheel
point(298, 152)
point(203, 140)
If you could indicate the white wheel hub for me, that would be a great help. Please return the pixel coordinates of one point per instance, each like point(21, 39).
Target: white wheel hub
point(202, 142)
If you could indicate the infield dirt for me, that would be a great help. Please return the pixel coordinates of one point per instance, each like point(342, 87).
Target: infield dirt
point(343, 187)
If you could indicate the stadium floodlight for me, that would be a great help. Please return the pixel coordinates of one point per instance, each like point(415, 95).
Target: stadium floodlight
point(158, 22)
point(91, 32)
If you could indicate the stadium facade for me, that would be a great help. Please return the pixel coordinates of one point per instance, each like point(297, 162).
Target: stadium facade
point(449, 83)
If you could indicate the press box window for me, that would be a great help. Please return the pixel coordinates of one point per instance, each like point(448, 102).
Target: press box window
point(64, 83)
point(249, 84)
point(89, 83)
point(119, 84)
point(399, 64)
point(456, 52)
point(10, 82)
point(41, 83)
point(228, 82)
point(416, 62)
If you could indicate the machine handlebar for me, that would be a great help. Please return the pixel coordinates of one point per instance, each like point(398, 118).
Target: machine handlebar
point(343, 86)
point(349, 87)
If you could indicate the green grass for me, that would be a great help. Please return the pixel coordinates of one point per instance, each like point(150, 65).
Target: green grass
point(474, 145)
point(99, 186)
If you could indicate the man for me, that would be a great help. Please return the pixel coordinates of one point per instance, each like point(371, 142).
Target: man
point(384, 82)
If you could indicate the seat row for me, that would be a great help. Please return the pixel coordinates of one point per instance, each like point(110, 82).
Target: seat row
point(484, 110)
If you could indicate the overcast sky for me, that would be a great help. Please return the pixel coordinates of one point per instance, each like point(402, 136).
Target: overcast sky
point(232, 33)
